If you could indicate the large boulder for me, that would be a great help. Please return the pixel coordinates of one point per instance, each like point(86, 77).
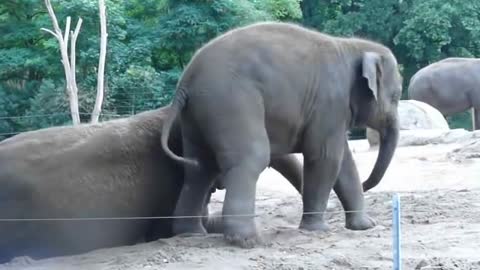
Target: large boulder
point(414, 115)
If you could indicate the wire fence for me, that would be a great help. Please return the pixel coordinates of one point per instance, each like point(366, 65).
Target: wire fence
point(108, 116)
point(403, 211)
point(396, 253)
point(112, 115)
point(396, 227)
point(106, 218)
point(132, 106)
point(56, 114)
point(357, 135)
point(158, 217)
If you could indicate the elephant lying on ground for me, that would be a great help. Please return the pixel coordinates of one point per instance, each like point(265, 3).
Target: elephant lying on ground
point(272, 89)
point(451, 85)
point(113, 169)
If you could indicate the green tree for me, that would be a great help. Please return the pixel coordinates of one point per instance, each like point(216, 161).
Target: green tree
point(434, 30)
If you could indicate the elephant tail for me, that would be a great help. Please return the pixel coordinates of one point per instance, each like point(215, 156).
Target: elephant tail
point(176, 107)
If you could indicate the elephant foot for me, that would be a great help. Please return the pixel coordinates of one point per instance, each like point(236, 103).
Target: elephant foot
point(313, 225)
point(242, 234)
point(214, 224)
point(188, 227)
point(359, 222)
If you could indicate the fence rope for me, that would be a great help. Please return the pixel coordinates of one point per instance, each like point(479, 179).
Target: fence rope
point(199, 216)
point(160, 217)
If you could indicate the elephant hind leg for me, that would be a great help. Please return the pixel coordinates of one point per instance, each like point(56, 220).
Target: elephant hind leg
point(195, 192)
point(240, 177)
point(235, 132)
point(242, 153)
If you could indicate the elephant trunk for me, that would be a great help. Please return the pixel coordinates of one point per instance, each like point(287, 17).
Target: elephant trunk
point(388, 143)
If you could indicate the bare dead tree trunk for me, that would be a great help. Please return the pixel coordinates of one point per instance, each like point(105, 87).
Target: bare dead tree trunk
point(68, 65)
point(101, 62)
point(73, 57)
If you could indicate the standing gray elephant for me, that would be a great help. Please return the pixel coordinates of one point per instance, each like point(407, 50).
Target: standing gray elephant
point(270, 89)
point(113, 169)
point(451, 85)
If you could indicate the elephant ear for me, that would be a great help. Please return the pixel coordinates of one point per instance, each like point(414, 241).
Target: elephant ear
point(371, 70)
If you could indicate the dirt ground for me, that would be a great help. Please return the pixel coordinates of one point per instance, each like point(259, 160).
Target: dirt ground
point(440, 195)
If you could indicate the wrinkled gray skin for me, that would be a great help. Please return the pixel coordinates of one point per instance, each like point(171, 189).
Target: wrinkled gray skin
point(270, 89)
point(113, 169)
point(451, 85)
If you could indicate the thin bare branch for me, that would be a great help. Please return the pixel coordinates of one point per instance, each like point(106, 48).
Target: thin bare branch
point(53, 17)
point(67, 31)
point(74, 35)
point(77, 28)
point(50, 31)
point(63, 44)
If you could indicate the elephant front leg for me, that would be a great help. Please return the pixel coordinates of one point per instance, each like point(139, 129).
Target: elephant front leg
point(205, 212)
point(350, 193)
point(320, 173)
point(212, 223)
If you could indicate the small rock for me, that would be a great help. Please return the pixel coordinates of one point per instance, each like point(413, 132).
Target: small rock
point(422, 264)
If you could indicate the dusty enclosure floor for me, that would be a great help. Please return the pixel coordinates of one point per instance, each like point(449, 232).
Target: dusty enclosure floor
point(440, 196)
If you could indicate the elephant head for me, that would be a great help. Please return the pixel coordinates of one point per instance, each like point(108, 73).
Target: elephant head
point(381, 93)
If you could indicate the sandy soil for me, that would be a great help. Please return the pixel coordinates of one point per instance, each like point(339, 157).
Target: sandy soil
point(440, 193)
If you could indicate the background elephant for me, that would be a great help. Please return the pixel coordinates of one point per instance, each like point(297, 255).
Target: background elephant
point(451, 86)
point(272, 89)
point(113, 169)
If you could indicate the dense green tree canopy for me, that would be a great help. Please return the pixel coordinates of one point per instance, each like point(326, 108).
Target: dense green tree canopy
point(151, 41)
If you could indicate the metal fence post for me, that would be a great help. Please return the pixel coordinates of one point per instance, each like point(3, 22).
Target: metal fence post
point(397, 262)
